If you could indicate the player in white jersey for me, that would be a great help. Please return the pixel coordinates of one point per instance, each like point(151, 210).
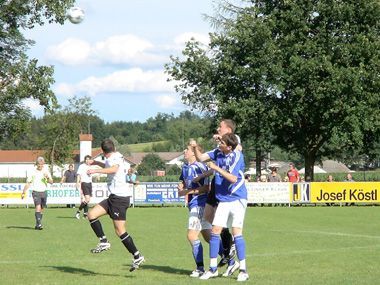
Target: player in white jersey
point(115, 205)
point(37, 181)
point(84, 184)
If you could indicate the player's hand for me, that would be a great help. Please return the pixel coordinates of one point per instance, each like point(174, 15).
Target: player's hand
point(192, 143)
point(211, 165)
point(91, 171)
point(180, 186)
point(217, 137)
point(22, 196)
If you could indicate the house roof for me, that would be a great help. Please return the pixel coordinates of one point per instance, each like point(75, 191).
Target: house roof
point(137, 157)
point(332, 166)
point(20, 156)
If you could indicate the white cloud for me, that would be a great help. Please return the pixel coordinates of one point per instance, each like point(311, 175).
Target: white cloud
point(70, 52)
point(118, 49)
point(131, 80)
point(166, 101)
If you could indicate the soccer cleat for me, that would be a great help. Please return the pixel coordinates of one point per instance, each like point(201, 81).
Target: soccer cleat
point(197, 273)
point(77, 215)
point(136, 263)
point(102, 246)
point(231, 269)
point(243, 276)
point(232, 251)
point(223, 261)
point(39, 227)
point(209, 274)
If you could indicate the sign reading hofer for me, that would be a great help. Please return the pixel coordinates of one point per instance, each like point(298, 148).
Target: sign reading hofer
point(353, 192)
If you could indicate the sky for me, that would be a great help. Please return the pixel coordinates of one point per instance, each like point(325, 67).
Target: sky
point(116, 56)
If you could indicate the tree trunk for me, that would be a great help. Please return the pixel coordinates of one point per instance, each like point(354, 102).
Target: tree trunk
point(309, 166)
point(258, 163)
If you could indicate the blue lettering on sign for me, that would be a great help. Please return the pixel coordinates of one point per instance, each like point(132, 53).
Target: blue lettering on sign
point(11, 187)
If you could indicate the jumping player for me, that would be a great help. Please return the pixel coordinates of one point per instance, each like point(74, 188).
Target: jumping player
point(115, 205)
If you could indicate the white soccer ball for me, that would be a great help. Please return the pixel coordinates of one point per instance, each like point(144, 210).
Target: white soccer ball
point(76, 15)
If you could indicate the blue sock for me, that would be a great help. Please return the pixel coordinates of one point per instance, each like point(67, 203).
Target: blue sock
point(214, 248)
point(240, 247)
point(221, 249)
point(198, 253)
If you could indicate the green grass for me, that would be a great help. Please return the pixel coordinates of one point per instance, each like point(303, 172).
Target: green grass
point(300, 245)
point(143, 147)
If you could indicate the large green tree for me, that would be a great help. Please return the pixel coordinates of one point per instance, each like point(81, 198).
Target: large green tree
point(22, 78)
point(302, 74)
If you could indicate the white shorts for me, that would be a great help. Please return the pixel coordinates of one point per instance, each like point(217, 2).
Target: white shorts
point(196, 220)
point(230, 214)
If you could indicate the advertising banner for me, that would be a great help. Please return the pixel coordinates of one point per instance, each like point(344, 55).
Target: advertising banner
point(157, 193)
point(269, 192)
point(351, 192)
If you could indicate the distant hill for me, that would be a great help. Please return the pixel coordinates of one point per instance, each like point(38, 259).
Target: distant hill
point(139, 147)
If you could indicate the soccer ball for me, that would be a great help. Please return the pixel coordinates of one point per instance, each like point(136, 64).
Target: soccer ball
point(76, 15)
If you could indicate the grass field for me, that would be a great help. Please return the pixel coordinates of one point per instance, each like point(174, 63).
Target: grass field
point(300, 245)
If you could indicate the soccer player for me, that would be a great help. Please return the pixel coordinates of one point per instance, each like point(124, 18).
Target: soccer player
point(230, 191)
point(226, 126)
point(197, 195)
point(84, 184)
point(115, 205)
point(37, 181)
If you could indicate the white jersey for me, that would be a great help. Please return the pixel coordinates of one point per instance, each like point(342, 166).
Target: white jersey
point(38, 179)
point(82, 172)
point(116, 181)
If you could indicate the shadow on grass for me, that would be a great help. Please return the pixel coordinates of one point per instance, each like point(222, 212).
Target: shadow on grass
point(79, 271)
point(166, 269)
point(20, 228)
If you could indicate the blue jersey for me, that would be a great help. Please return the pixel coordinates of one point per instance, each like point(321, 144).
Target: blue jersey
point(233, 163)
point(189, 172)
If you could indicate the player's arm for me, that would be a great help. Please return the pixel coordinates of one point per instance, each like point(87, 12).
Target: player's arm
point(229, 176)
point(63, 178)
point(48, 177)
point(202, 157)
point(98, 163)
point(182, 191)
point(26, 187)
point(203, 175)
point(109, 170)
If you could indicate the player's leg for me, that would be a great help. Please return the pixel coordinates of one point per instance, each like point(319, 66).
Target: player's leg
point(237, 231)
point(118, 214)
point(37, 198)
point(93, 217)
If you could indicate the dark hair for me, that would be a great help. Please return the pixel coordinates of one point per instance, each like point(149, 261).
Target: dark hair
point(107, 146)
point(230, 140)
point(230, 123)
point(87, 156)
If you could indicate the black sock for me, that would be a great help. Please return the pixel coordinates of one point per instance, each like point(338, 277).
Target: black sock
point(85, 208)
point(226, 237)
point(38, 216)
point(98, 230)
point(82, 205)
point(127, 240)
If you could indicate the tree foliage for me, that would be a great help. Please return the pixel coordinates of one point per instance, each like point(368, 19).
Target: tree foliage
point(301, 74)
point(21, 78)
point(150, 163)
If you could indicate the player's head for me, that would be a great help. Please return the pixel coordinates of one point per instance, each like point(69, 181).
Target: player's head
point(189, 154)
point(107, 146)
point(87, 159)
point(40, 161)
point(228, 143)
point(226, 126)
point(71, 167)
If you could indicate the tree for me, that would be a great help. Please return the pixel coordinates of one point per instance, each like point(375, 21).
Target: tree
point(150, 163)
point(303, 75)
point(21, 78)
point(62, 126)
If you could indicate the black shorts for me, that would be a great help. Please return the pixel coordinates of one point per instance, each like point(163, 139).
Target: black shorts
point(116, 207)
point(211, 199)
point(39, 198)
point(86, 188)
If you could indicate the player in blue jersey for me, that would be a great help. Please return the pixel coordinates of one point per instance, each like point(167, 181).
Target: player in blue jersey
point(197, 195)
point(230, 191)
